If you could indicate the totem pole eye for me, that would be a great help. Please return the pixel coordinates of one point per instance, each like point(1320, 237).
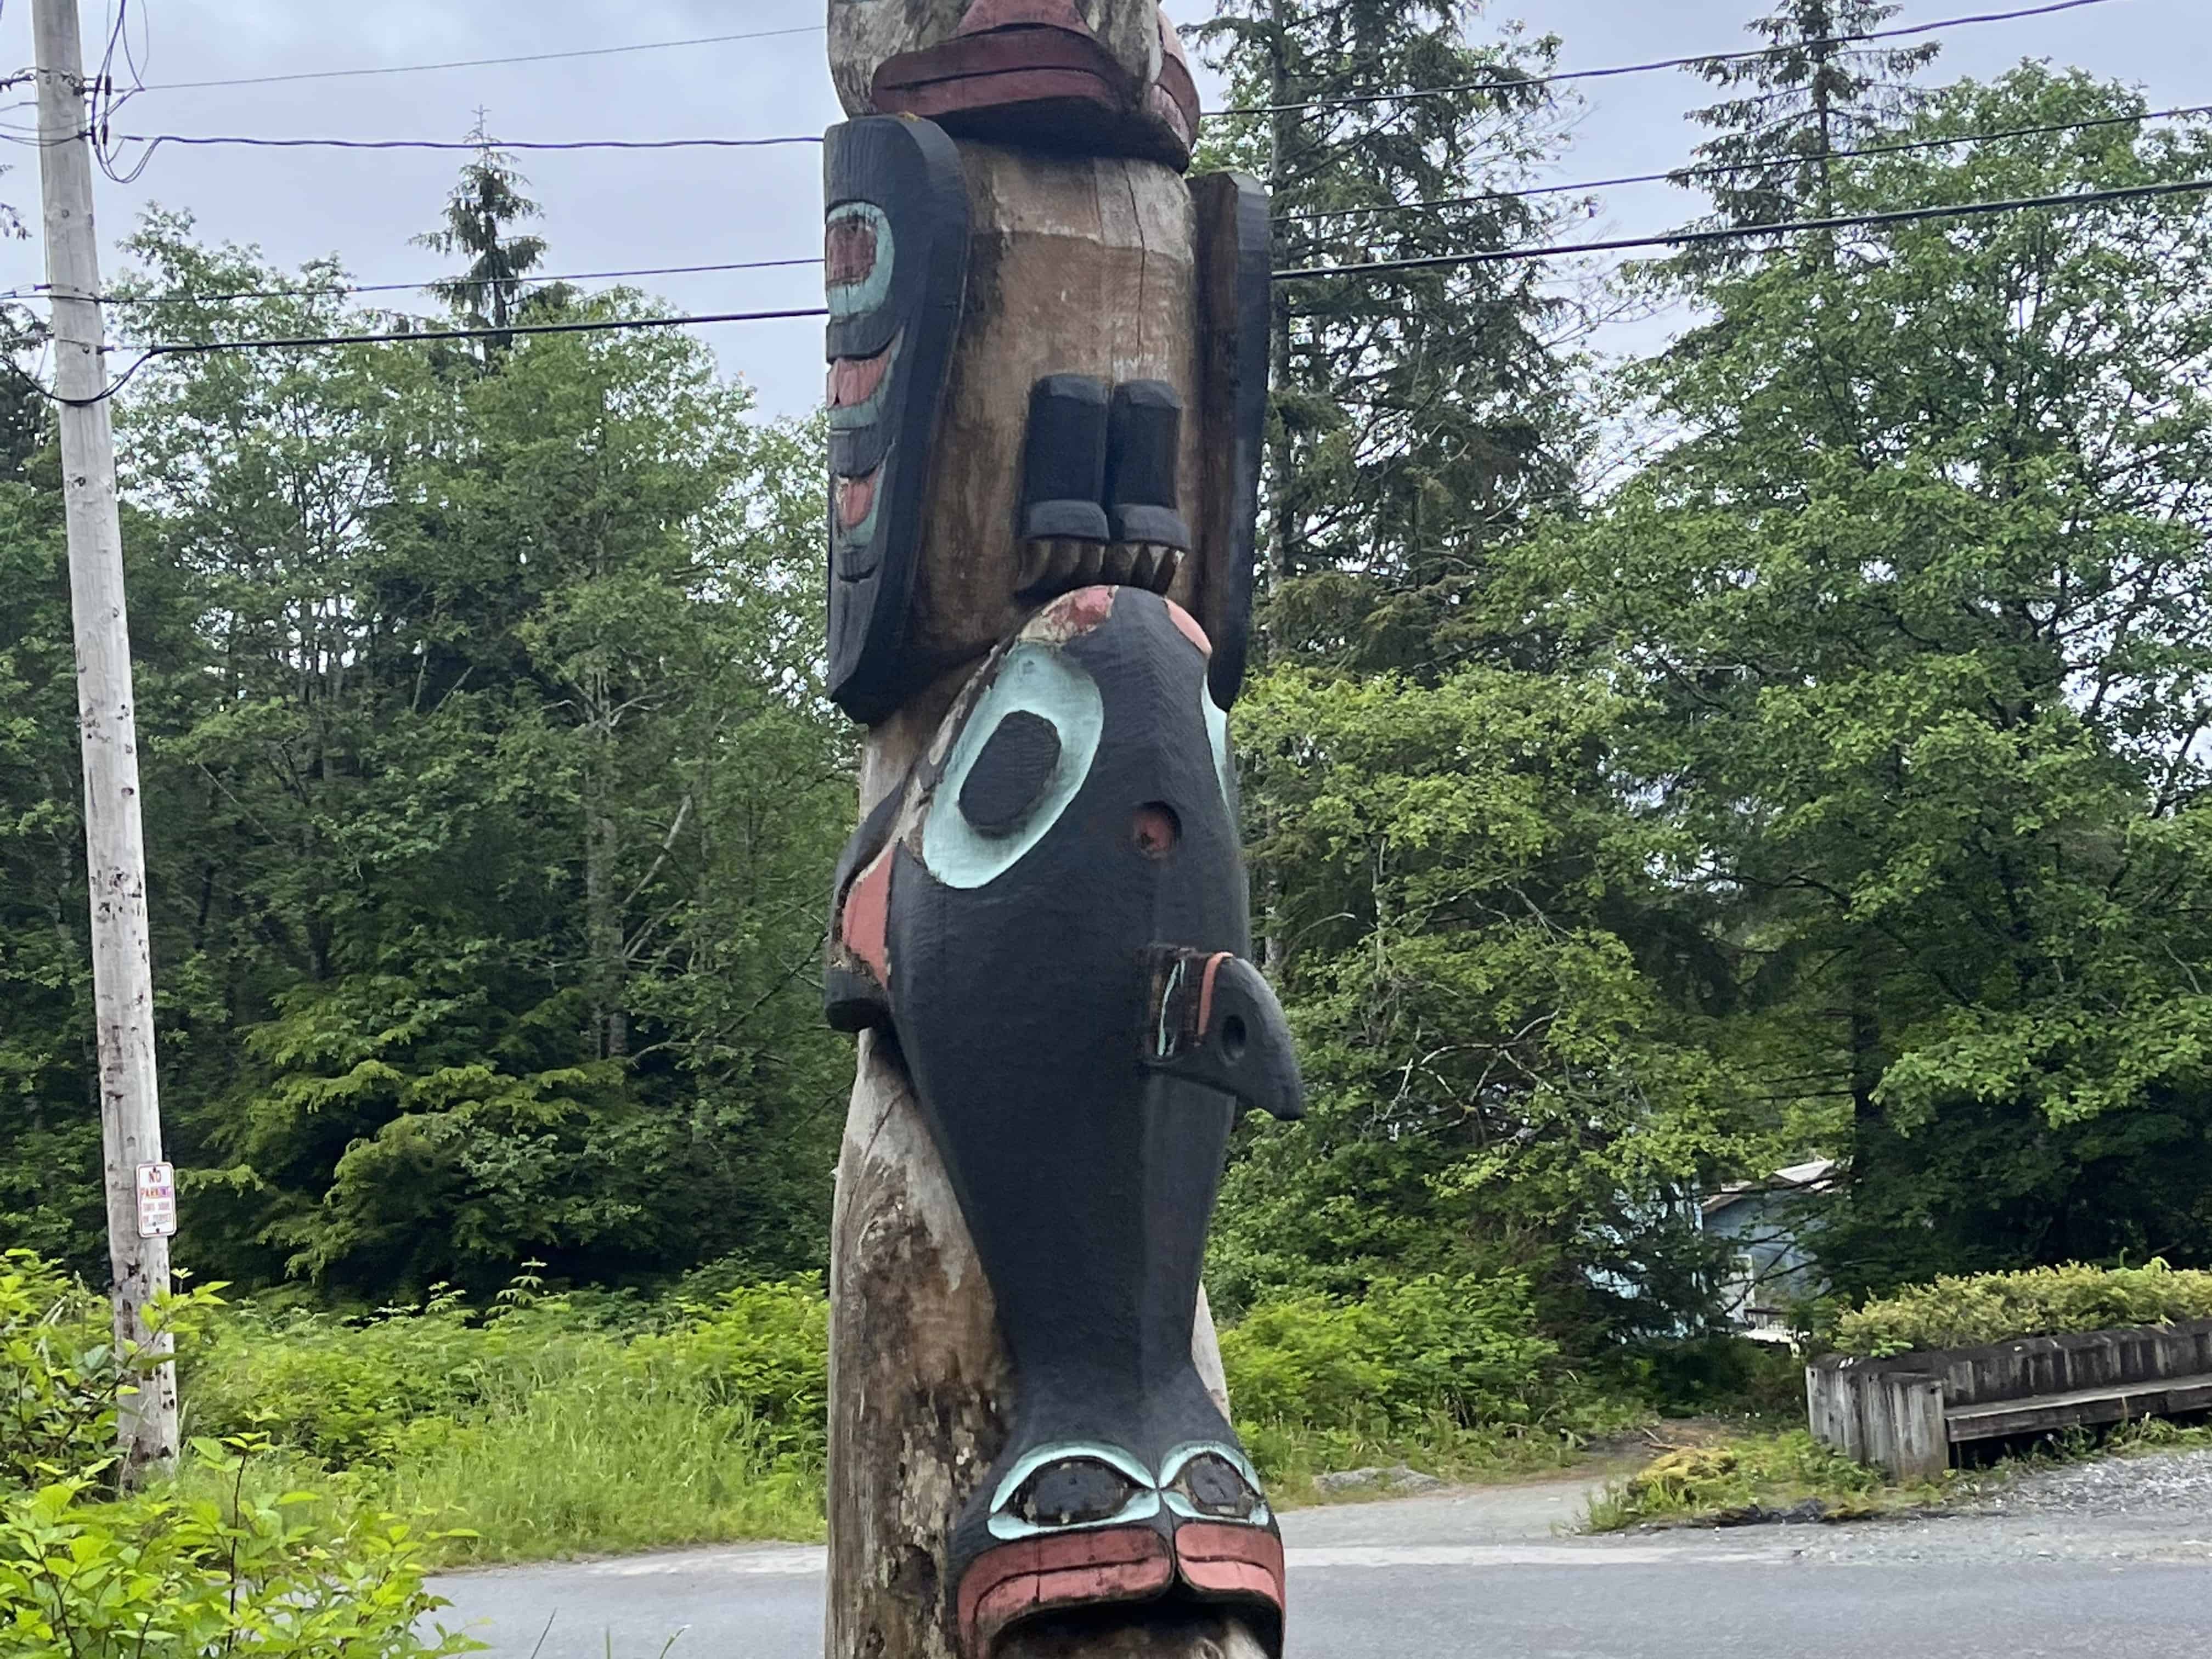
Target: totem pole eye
point(1024, 750)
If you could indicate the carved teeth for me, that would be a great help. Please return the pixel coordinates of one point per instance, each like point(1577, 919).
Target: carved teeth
point(1060, 564)
point(1051, 565)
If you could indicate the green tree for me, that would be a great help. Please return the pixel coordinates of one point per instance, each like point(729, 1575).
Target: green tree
point(491, 797)
point(1418, 416)
point(1817, 88)
point(492, 291)
point(1915, 610)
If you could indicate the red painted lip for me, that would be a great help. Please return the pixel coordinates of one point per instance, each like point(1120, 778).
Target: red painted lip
point(1061, 1570)
point(1245, 1563)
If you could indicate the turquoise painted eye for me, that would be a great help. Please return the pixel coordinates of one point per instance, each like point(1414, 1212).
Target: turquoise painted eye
point(1024, 752)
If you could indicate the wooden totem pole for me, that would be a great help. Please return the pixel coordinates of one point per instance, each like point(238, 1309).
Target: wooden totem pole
point(1048, 384)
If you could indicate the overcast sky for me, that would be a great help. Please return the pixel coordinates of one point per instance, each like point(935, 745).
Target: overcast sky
point(624, 210)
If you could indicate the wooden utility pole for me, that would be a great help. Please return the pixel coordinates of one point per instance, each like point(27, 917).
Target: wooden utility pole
point(115, 852)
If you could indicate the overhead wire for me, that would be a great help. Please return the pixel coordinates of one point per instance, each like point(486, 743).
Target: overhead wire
point(339, 290)
point(1737, 233)
point(345, 289)
point(153, 142)
point(1523, 82)
point(481, 62)
point(420, 336)
point(1491, 256)
point(1684, 174)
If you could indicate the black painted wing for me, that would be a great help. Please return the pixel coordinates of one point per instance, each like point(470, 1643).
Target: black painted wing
point(897, 265)
point(1234, 244)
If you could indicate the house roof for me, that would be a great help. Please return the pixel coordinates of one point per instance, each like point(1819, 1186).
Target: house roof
point(1810, 1177)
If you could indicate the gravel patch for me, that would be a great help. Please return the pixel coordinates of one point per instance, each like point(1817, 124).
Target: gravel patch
point(2153, 1508)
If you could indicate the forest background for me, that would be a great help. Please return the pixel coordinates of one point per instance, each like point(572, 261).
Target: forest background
point(1790, 745)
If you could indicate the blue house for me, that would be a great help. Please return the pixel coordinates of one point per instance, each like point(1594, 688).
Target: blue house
point(1764, 1225)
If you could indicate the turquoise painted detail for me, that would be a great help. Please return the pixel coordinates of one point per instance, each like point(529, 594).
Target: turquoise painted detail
point(1037, 679)
point(857, 299)
point(1217, 733)
point(866, 414)
point(1142, 1506)
point(1163, 1039)
point(1173, 1464)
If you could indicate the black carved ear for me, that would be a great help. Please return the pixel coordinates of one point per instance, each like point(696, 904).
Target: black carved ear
point(855, 976)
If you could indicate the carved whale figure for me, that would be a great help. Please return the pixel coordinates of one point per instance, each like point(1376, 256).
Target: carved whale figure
point(1050, 920)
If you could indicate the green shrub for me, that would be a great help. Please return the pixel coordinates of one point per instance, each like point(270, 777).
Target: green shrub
point(1967, 1312)
point(1464, 1348)
point(539, 1429)
point(1713, 1374)
point(83, 1576)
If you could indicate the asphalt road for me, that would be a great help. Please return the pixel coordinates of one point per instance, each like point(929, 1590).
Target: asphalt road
point(2083, 1564)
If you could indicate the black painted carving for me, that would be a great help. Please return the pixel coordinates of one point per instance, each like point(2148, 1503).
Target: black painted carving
point(1057, 924)
point(1144, 443)
point(1064, 461)
point(1236, 296)
point(897, 264)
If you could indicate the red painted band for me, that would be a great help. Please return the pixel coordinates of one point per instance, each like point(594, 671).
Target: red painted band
point(1205, 992)
point(985, 15)
point(1225, 1560)
point(1191, 631)
point(854, 380)
point(1122, 1563)
point(856, 499)
point(849, 250)
point(865, 924)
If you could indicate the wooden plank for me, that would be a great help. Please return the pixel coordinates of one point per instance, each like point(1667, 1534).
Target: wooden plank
point(2079, 1408)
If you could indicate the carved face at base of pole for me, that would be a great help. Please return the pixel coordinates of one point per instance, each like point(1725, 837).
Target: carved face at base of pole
point(1100, 77)
point(1050, 918)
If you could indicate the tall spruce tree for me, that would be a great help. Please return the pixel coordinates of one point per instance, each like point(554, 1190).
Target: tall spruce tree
point(1417, 415)
point(1819, 87)
point(492, 290)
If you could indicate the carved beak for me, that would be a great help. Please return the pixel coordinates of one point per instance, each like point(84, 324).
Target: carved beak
point(1215, 1022)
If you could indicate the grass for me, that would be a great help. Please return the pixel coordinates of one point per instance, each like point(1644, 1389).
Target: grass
point(1756, 1474)
point(1290, 1456)
point(1749, 1477)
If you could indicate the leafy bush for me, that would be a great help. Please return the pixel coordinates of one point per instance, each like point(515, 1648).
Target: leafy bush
point(58, 1375)
point(1463, 1348)
point(1966, 1312)
point(90, 1579)
point(86, 1577)
point(1713, 1374)
point(538, 1427)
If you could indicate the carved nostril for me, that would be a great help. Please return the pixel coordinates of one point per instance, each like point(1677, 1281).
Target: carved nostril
point(1157, 829)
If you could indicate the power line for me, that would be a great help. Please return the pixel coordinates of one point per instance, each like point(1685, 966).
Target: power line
point(1497, 256)
point(481, 62)
point(155, 141)
point(1518, 83)
point(415, 337)
point(339, 290)
point(1735, 233)
point(1719, 169)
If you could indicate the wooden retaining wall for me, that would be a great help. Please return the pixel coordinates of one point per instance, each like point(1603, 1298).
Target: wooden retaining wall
point(1904, 1414)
